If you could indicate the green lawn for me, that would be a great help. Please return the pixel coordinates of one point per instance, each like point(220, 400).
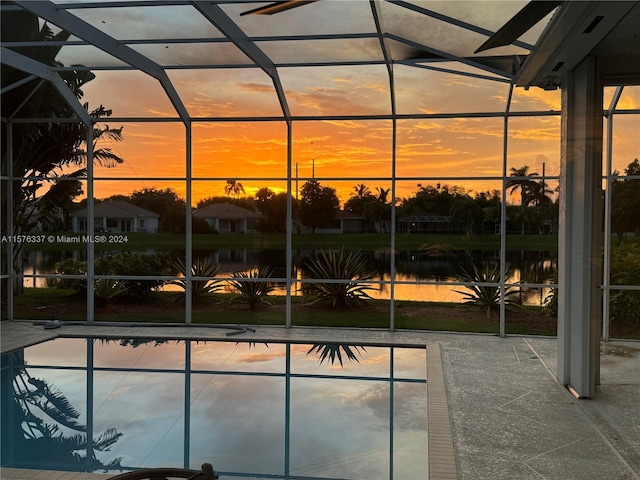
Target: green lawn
point(168, 307)
point(165, 307)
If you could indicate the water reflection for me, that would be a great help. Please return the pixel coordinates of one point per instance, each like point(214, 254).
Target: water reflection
point(250, 409)
point(42, 429)
point(416, 273)
point(332, 352)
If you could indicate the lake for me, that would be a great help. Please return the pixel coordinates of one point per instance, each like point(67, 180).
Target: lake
point(419, 275)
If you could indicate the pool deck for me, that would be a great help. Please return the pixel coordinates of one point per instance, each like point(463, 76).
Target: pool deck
point(496, 410)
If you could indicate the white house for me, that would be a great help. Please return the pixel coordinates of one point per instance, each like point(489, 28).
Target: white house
point(117, 216)
point(228, 218)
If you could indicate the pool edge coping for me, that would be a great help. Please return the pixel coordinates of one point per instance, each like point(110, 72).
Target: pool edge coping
point(440, 451)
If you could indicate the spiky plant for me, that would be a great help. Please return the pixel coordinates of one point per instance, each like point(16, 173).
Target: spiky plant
point(201, 267)
point(350, 274)
point(105, 289)
point(252, 287)
point(333, 352)
point(487, 297)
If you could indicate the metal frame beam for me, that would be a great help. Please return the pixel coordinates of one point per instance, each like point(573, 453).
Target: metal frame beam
point(233, 32)
point(81, 29)
point(580, 230)
point(33, 67)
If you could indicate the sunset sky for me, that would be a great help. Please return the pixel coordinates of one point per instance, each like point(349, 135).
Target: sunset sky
point(255, 153)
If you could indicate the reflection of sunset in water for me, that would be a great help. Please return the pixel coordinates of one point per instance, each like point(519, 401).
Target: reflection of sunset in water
point(246, 406)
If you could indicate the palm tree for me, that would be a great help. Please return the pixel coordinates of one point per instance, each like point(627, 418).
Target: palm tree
point(520, 182)
point(466, 213)
point(526, 187)
point(234, 188)
point(361, 191)
point(538, 194)
point(43, 151)
point(383, 194)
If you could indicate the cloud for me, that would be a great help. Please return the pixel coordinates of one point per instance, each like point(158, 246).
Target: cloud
point(257, 87)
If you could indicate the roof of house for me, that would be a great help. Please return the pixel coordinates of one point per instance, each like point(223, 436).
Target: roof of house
point(117, 209)
point(225, 211)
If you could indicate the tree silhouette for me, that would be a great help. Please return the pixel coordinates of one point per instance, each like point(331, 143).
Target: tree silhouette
point(318, 205)
point(43, 151)
point(466, 213)
point(359, 199)
point(165, 202)
point(625, 201)
point(521, 183)
point(383, 194)
point(530, 191)
point(233, 188)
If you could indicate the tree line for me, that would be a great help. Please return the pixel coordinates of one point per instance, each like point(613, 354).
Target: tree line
point(468, 212)
point(318, 205)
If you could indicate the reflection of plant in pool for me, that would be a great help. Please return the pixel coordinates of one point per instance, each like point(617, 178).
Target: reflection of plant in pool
point(340, 266)
point(55, 443)
point(252, 287)
point(201, 267)
point(333, 352)
point(487, 297)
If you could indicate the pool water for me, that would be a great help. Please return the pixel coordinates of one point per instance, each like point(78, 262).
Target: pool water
point(253, 410)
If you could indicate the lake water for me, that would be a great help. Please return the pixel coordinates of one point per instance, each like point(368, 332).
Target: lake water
point(253, 410)
point(419, 275)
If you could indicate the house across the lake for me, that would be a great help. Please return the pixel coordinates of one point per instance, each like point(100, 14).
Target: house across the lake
point(425, 224)
point(117, 216)
point(344, 222)
point(228, 218)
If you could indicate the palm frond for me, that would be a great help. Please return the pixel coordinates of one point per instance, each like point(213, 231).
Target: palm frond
point(333, 352)
point(252, 287)
point(202, 267)
point(487, 297)
point(353, 277)
point(55, 404)
point(106, 439)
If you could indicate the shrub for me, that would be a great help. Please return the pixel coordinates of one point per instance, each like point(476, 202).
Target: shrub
point(551, 300)
point(135, 264)
point(70, 266)
point(487, 297)
point(251, 290)
point(341, 266)
point(625, 270)
point(119, 264)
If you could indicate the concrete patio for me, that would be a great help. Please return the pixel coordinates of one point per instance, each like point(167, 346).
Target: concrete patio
point(509, 417)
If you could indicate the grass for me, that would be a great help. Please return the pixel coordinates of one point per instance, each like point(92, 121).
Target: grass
point(365, 241)
point(168, 307)
point(50, 303)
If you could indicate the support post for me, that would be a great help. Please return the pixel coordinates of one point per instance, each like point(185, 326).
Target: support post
point(580, 234)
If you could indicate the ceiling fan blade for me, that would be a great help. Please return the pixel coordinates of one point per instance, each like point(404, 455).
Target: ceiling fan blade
point(277, 7)
point(521, 22)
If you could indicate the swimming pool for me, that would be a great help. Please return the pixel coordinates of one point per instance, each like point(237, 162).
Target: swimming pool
point(253, 410)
